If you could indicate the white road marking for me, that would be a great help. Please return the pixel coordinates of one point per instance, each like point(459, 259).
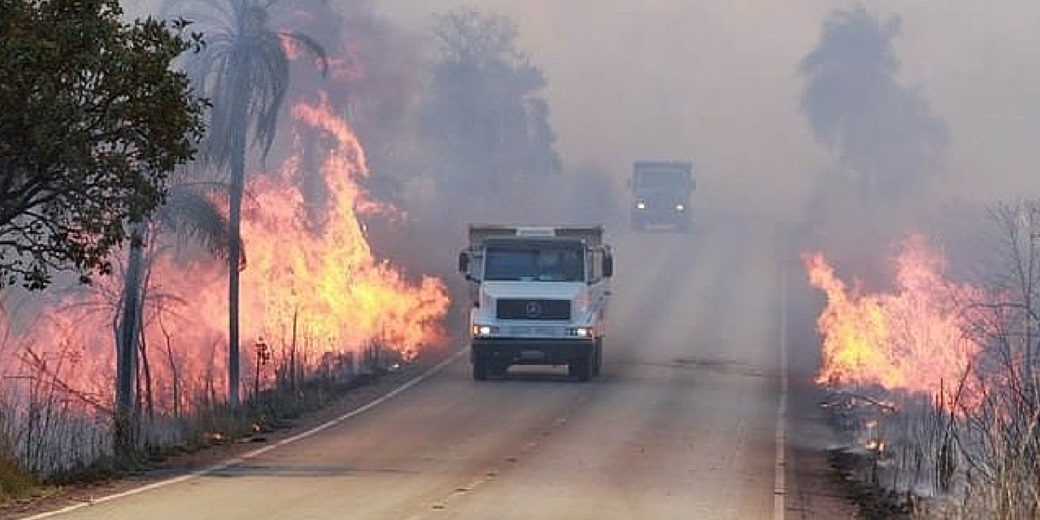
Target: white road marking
point(780, 464)
point(256, 453)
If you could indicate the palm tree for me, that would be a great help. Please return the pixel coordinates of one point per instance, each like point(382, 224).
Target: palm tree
point(243, 69)
point(191, 213)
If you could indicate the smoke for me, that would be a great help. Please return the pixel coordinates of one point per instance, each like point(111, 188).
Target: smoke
point(717, 82)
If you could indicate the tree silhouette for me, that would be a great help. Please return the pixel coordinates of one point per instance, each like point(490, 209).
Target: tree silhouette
point(883, 132)
point(484, 115)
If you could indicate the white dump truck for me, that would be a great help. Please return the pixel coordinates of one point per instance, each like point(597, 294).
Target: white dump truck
point(539, 297)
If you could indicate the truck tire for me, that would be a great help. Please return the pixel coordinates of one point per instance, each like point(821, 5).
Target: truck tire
point(480, 368)
point(497, 369)
point(581, 368)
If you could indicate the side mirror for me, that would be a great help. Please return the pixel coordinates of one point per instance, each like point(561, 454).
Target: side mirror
point(608, 266)
point(464, 263)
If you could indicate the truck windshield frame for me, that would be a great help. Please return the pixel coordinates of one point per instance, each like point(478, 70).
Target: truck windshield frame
point(661, 180)
point(534, 261)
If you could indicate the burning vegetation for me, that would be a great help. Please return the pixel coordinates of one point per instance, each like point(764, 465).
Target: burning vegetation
point(935, 382)
point(315, 300)
point(268, 266)
point(319, 296)
point(909, 340)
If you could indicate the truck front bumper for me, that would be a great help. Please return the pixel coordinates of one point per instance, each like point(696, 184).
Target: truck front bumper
point(531, 351)
point(667, 216)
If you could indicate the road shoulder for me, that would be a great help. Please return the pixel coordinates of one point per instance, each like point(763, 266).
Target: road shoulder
point(185, 464)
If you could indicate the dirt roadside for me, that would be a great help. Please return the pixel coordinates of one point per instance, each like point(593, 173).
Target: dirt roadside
point(816, 487)
point(70, 495)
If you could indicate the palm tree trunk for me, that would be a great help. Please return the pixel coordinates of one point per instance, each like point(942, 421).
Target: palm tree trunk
point(234, 265)
point(235, 216)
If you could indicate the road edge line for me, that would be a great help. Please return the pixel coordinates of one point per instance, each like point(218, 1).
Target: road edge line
point(780, 462)
point(256, 453)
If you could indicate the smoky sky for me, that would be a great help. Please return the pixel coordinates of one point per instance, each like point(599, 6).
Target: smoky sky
point(717, 82)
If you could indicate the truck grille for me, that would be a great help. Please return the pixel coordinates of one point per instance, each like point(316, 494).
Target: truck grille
point(536, 309)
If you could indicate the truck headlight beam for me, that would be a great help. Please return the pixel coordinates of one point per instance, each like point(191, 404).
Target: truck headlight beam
point(483, 330)
point(580, 332)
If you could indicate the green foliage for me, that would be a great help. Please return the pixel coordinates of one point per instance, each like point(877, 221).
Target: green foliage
point(92, 120)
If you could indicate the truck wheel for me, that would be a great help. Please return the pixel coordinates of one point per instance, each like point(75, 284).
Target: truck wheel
point(581, 368)
point(480, 368)
point(498, 369)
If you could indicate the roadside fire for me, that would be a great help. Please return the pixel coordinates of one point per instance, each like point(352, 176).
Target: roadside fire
point(309, 290)
point(910, 340)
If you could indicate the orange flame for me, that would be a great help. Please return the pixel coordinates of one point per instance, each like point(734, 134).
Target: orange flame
point(311, 292)
point(331, 281)
point(911, 340)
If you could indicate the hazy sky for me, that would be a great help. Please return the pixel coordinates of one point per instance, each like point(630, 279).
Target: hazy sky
point(716, 81)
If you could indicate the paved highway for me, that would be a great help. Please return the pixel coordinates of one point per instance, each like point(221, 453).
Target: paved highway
point(683, 423)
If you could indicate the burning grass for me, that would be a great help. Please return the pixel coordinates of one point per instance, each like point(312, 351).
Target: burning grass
point(909, 340)
point(936, 383)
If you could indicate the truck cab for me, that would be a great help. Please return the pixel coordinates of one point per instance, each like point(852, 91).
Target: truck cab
point(539, 297)
point(661, 192)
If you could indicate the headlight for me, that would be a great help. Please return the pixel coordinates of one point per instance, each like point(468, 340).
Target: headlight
point(640, 205)
point(580, 332)
point(483, 330)
point(679, 207)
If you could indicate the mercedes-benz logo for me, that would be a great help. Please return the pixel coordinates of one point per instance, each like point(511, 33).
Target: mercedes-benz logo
point(534, 310)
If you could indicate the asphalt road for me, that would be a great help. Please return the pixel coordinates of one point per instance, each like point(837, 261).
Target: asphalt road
point(683, 423)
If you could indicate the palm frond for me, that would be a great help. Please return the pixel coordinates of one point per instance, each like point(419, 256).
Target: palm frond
point(243, 70)
point(192, 213)
point(270, 81)
point(311, 46)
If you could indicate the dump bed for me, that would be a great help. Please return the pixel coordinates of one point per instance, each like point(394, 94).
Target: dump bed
point(592, 235)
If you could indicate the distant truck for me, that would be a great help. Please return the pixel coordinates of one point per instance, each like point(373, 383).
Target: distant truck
point(661, 192)
point(540, 297)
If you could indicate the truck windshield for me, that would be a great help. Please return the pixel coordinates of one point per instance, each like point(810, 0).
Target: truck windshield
point(661, 180)
point(554, 264)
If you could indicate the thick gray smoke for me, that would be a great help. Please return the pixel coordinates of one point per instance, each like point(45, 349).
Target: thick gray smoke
point(718, 82)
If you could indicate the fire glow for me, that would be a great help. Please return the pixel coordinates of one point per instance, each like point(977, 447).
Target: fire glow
point(330, 280)
point(910, 340)
point(313, 289)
